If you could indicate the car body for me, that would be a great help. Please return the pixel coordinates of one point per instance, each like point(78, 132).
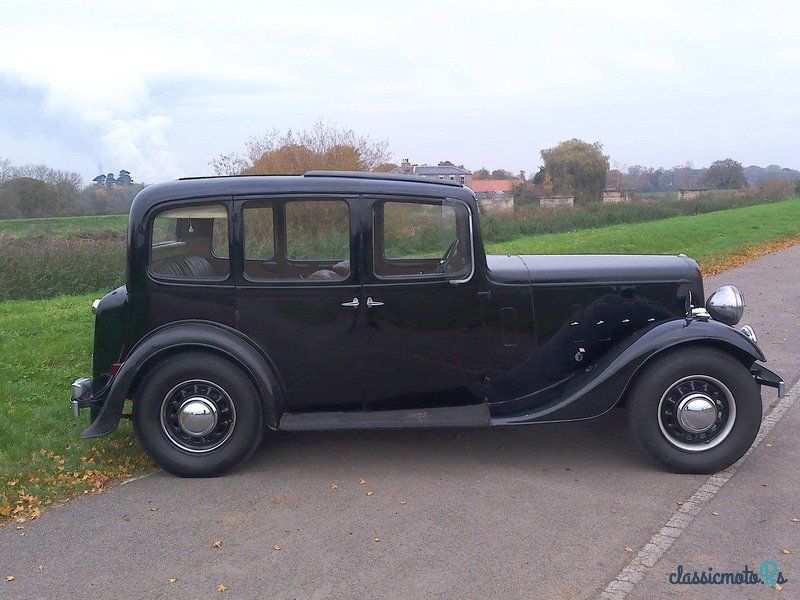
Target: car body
point(356, 300)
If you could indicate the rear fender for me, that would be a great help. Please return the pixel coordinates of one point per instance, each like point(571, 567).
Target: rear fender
point(188, 335)
point(599, 387)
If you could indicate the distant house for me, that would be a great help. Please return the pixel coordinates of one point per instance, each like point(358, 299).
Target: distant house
point(495, 196)
point(442, 171)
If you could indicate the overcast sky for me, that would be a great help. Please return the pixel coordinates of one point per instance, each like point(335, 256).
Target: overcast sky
point(160, 88)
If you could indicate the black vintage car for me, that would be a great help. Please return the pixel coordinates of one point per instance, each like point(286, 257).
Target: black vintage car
point(350, 300)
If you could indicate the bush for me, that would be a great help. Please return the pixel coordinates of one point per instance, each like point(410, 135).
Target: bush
point(537, 221)
point(50, 266)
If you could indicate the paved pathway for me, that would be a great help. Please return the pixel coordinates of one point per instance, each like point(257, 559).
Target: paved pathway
point(536, 512)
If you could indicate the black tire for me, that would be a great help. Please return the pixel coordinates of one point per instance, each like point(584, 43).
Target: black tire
point(713, 376)
point(218, 387)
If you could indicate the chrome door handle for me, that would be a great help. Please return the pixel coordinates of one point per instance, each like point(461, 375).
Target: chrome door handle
point(354, 303)
point(371, 302)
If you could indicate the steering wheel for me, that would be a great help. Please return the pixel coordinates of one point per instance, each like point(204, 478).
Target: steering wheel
point(448, 254)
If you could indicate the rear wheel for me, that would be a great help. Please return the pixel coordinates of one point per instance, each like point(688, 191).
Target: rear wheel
point(695, 411)
point(198, 415)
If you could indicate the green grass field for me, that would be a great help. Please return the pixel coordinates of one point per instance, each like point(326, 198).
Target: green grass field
point(45, 346)
point(708, 238)
point(65, 226)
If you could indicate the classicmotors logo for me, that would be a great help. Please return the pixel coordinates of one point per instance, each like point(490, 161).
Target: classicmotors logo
point(767, 574)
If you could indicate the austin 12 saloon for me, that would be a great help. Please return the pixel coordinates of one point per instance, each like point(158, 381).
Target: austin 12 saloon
point(341, 300)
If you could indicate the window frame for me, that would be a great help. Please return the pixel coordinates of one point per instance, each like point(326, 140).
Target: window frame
point(160, 208)
point(278, 204)
point(426, 277)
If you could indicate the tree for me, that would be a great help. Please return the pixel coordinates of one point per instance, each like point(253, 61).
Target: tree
point(538, 179)
point(726, 174)
point(502, 174)
point(577, 168)
point(124, 178)
point(100, 180)
point(482, 173)
point(325, 146)
point(110, 180)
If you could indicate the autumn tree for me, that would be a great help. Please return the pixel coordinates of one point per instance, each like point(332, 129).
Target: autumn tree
point(482, 173)
point(324, 146)
point(726, 174)
point(577, 168)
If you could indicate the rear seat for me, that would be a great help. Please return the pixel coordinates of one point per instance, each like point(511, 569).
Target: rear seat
point(184, 266)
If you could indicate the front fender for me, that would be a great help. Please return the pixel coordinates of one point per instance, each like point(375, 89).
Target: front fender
point(186, 335)
point(599, 387)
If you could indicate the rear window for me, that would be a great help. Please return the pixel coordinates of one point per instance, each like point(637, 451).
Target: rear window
point(190, 242)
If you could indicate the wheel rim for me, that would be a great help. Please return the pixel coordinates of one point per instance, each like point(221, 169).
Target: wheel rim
point(696, 413)
point(197, 416)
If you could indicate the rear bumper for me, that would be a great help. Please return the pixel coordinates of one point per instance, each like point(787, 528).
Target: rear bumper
point(764, 376)
point(81, 395)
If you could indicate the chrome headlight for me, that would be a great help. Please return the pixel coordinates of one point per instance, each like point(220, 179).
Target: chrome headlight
point(95, 306)
point(726, 305)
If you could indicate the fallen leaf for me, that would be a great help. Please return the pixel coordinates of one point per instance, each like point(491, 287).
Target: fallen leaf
point(217, 544)
point(376, 539)
point(222, 587)
point(785, 551)
point(763, 485)
point(795, 520)
point(362, 481)
point(715, 513)
point(403, 502)
point(334, 486)
point(153, 509)
point(172, 580)
point(679, 503)
point(276, 547)
point(778, 587)
point(628, 549)
point(369, 493)
point(769, 445)
point(10, 578)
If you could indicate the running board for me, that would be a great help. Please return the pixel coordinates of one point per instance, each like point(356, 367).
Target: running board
point(474, 415)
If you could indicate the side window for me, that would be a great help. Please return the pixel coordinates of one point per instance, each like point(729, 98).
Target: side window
point(421, 239)
point(190, 242)
point(297, 240)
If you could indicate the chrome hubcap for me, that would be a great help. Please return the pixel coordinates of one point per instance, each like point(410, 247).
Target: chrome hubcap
point(197, 416)
point(697, 413)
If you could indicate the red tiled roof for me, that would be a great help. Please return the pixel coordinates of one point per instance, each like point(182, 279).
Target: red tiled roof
point(493, 185)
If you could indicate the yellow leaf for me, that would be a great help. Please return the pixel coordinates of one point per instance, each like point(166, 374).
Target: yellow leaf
point(785, 551)
point(41, 567)
point(376, 539)
point(153, 509)
point(628, 549)
point(369, 493)
point(362, 481)
point(222, 587)
point(334, 486)
point(403, 502)
point(778, 587)
point(276, 547)
point(679, 503)
point(10, 578)
point(769, 445)
point(217, 544)
point(172, 580)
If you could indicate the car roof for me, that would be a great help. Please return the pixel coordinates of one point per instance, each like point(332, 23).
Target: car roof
point(312, 182)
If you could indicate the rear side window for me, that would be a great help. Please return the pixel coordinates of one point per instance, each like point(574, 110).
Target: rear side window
point(190, 242)
point(317, 230)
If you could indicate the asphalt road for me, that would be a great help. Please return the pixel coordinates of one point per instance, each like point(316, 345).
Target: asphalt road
point(528, 512)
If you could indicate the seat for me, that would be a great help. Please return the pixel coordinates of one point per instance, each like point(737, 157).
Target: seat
point(184, 266)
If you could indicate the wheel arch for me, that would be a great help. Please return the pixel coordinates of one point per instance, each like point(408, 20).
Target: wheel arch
point(179, 337)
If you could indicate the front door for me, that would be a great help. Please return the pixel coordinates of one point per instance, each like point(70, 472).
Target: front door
point(296, 294)
point(424, 338)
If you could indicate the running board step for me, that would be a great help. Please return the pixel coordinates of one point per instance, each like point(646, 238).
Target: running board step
point(474, 415)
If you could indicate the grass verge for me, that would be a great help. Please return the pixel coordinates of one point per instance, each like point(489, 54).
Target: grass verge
point(716, 240)
point(45, 345)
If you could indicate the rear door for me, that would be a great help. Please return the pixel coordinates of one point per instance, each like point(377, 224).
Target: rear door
point(424, 337)
point(298, 295)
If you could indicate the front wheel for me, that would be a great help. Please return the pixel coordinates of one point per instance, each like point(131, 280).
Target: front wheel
point(696, 410)
point(198, 415)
